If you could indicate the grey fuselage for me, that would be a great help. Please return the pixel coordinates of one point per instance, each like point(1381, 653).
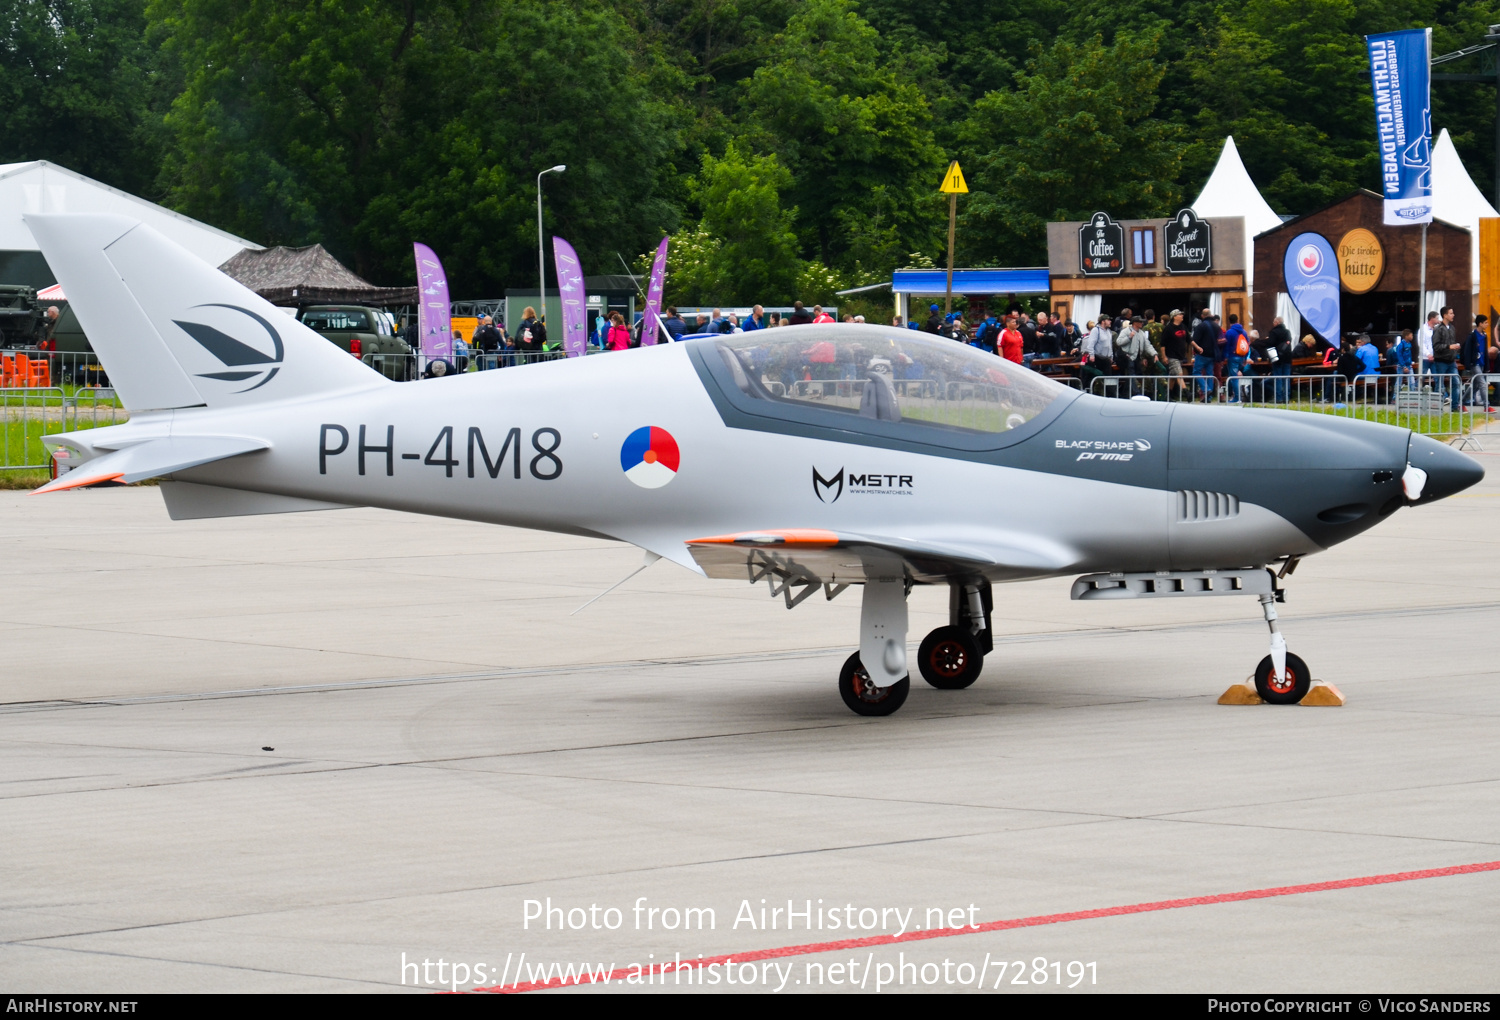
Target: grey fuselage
point(1090, 484)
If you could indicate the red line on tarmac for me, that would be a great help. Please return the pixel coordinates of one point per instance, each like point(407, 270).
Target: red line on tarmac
point(813, 948)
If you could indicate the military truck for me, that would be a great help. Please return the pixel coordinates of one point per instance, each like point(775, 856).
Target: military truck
point(21, 321)
point(371, 328)
point(74, 361)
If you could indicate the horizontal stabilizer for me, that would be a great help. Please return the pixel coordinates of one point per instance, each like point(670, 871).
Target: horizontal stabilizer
point(190, 501)
point(153, 459)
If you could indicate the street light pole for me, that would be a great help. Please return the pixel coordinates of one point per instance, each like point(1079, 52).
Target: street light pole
point(541, 248)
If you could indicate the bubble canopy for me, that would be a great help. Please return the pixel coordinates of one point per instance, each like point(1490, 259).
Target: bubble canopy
point(880, 379)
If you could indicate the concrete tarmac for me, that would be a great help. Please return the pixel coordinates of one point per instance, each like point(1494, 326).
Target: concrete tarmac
point(289, 753)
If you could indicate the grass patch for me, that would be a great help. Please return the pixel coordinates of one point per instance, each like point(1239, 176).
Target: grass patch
point(21, 446)
point(22, 479)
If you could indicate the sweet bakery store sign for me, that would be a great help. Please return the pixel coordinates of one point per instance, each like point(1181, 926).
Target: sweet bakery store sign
point(1188, 242)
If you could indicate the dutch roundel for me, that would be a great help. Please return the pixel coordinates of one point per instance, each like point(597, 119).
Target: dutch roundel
point(649, 457)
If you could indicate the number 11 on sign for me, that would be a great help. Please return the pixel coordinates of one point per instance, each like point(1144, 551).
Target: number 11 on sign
point(953, 186)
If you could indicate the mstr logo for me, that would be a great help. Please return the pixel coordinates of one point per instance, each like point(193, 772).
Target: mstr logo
point(244, 361)
point(822, 486)
point(828, 490)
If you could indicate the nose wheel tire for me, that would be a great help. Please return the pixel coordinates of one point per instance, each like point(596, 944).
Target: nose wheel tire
point(861, 694)
point(949, 659)
point(1289, 688)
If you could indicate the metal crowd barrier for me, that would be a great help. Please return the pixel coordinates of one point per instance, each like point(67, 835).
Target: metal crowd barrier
point(29, 413)
point(1433, 405)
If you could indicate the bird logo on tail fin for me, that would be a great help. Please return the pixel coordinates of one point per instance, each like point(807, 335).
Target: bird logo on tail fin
point(243, 361)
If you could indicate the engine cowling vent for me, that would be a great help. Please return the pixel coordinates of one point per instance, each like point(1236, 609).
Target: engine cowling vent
point(1195, 506)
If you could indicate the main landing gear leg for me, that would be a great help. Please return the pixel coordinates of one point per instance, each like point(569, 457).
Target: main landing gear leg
point(874, 680)
point(1281, 678)
point(951, 657)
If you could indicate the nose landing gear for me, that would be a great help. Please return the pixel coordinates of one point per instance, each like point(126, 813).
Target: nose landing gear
point(1287, 687)
point(1281, 678)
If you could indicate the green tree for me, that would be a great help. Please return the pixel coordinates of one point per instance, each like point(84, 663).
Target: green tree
point(755, 258)
point(553, 84)
point(1284, 79)
point(1075, 134)
point(367, 124)
point(957, 50)
point(79, 87)
point(845, 125)
point(692, 267)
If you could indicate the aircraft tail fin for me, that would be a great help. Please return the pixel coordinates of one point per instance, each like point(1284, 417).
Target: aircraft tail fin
point(172, 331)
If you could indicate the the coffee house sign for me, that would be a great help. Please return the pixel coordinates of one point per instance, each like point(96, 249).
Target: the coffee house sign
point(1101, 247)
point(1188, 243)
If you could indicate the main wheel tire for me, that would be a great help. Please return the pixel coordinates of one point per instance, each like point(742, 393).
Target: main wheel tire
point(863, 697)
point(949, 659)
point(1288, 689)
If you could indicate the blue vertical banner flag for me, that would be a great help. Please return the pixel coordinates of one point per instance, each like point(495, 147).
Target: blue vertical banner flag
point(1400, 76)
point(570, 290)
point(1312, 280)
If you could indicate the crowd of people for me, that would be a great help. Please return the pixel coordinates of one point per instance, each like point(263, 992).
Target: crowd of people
point(1202, 357)
point(493, 346)
point(1208, 358)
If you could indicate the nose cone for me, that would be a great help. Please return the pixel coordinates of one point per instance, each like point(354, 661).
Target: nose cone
point(1448, 471)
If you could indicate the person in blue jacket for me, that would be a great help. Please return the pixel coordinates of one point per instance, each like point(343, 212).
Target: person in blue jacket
point(1479, 356)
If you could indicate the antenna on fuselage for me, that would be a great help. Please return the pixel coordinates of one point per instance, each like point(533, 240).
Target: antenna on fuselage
point(651, 558)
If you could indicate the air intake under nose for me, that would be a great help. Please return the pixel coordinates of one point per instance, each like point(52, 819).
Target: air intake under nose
point(1194, 505)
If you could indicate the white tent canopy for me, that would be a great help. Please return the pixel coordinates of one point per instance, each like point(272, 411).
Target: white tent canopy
point(1455, 199)
point(42, 187)
point(1230, 192)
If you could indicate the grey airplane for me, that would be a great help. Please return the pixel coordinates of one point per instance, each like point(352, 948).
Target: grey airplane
point(811, 458)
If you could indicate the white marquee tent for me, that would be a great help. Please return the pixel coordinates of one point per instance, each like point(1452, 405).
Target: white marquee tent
point(1230, 192)
point(42, 187)
point(1455, 198)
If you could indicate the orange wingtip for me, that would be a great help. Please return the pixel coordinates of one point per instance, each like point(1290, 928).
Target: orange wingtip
point(67, 481)
point(781, 536)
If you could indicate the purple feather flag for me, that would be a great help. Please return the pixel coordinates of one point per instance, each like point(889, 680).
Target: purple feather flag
point(570, 290)
point(650, 328)
point(433, 322)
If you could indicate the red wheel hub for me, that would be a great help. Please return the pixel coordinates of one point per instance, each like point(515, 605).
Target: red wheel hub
point(866, 689)
point(1282, 684)
point(949, 659)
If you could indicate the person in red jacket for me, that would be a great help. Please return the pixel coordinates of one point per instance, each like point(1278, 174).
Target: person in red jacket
point(619, 333)
point(1011, 341)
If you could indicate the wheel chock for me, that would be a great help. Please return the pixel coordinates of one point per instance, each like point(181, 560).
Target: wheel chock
point(1323, 695)
point(1241, 694)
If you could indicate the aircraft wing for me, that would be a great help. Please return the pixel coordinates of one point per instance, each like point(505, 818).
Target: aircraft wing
point(831, 557)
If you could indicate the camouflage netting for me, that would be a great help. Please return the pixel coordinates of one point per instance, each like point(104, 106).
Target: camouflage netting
point(309, 276)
